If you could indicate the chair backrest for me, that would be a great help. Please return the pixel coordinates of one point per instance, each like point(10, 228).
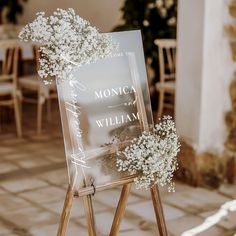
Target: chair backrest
point(167, 58)
point(9, 71)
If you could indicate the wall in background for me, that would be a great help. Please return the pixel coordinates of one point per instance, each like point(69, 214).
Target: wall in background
point(104, 14)
point(204, 71)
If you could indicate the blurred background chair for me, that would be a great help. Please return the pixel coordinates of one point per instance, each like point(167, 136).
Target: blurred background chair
point(166, 85)
point(9, 95)
point(34, 91)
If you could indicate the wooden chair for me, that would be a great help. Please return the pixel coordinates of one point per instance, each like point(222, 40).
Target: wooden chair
point(32, 84)
point(9, 95)
point(167, 61)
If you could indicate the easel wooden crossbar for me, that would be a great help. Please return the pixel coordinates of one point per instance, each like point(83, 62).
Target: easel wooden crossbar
point(87, 192)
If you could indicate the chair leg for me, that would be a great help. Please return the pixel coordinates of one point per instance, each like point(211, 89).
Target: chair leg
point(39, 114)
point(0, 120)
point(174, 107)
point(49, 109)
point(161, 104)
point(20, 99)
point(17, 116)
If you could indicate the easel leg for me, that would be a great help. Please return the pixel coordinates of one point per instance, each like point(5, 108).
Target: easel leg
point(158, 211)
point(120, 209)
point(88, 208)
point(65, 216)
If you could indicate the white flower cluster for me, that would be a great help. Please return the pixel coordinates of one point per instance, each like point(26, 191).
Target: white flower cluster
point(152, 156)
point(67, 41)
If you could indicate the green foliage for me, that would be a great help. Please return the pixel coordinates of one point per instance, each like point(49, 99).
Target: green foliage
point(155, 18)
point(13, 7)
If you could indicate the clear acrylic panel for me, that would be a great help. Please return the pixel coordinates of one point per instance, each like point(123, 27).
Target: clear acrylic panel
point(102, 109)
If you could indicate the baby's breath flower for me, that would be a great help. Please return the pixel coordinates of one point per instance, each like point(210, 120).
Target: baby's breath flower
point(152, 156)
point(67, 41)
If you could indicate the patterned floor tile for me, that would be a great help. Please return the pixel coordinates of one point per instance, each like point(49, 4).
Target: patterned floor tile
point(196, 200)
point(22, 184)
point(136, 233)
point(179, 226)
point(51, 230)
point(7, 167)
point(32, 162)
point(57, 177)
point(9, 202)
point(44, 195)
point(31, 216)
point(228, 190)
point(3, 229)
point(111, 197)
point(104, 222)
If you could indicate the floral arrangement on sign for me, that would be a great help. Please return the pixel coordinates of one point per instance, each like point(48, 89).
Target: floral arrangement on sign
point(67, 41)
point(152, 156)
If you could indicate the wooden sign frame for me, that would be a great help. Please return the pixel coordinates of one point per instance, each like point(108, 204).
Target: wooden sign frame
point(87, 192)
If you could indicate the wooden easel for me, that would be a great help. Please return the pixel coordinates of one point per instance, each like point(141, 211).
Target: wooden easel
point(88, 191)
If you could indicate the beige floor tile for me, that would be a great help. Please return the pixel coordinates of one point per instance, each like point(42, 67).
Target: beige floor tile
point(19, 155)
point(51, 230)
point(6, 150)
point(38, 147)
point(76, 211)
point(11, 139)
point(104, 222)
point(229, 190)
point(144, 210)
point(140, 193)
point(31, 216)
point(181, 187)
point(7, 167)
point(44, 195)
point(2, 191)
point(145, 194)
point(58, 177)
point(23, 184)
point(111, 198)
point(32, 162)
point(77, 207)
point(56, 157)
point(3, 229)
point(183, 224)
point(136, 233)
point(172, 213)
point(196, 200)
point(10, 235)
point(9, 202)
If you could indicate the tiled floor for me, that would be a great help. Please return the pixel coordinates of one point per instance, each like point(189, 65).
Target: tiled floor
point(33, 180)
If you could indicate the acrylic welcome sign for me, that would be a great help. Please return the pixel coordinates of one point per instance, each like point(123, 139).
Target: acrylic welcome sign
point(102, 109)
